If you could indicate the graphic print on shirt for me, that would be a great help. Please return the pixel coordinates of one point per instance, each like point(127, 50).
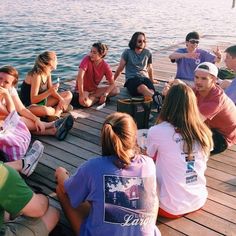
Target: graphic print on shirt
point(191, 175)
point(130, 201)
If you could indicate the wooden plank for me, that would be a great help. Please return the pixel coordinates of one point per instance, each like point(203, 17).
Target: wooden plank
point(222, 198)
point(221, 186)
point(218, 165)
point(218, 215)
point(222, 176)
point(220, 210)
point(188, 227)
point(213, 222)
point(168, 231)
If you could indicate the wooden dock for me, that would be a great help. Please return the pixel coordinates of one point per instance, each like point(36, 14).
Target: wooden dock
point(217, 217)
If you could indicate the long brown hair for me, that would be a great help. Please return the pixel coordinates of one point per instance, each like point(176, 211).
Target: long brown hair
point(118, 137)
point(134, 39)
point(42, 62)
point(180, 109)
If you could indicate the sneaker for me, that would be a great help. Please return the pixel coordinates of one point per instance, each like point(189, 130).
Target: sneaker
point(63, 126)
point(158, 100)
point(151, 116)
point(32, 157)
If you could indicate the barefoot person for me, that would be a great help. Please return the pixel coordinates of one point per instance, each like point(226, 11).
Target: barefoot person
point(92, 69)
point(39, 94)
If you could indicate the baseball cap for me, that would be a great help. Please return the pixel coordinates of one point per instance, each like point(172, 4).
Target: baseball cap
point(208, 67)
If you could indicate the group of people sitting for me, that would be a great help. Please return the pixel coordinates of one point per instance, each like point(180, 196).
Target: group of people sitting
point(122, 191)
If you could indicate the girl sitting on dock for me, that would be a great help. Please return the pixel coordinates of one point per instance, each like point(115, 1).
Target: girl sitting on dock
point(9, 101)
point(181, 143)
point(92, 69)
point(114, 194)
point(39, 94)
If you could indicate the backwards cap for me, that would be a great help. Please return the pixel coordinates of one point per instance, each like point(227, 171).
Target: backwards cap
point(208, 67)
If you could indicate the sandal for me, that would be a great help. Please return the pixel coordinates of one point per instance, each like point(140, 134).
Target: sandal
point(63, 126)
point(158, 100)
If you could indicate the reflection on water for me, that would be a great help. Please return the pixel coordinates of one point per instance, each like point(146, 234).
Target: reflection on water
point(69, 27)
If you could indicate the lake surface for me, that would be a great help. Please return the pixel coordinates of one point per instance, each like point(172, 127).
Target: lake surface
point(70, 27)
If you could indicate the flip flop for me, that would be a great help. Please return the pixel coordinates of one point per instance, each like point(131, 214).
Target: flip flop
point(69, 120)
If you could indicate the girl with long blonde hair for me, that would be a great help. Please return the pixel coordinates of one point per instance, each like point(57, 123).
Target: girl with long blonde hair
point(38, 92)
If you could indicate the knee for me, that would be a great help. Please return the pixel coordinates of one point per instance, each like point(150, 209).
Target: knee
point(141, 88)
point(86, 104)
point(68, 94)
point(116, 91)
point(48, 111)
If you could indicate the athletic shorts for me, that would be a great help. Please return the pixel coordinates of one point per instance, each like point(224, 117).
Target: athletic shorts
point(134, 83)
point(75, 100)
point(25, 226)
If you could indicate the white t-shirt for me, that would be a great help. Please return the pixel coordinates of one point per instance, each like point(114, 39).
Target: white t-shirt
point(181, 183)
point(13, 92)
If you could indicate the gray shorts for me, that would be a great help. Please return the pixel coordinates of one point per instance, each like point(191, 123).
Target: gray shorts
point(25, 226)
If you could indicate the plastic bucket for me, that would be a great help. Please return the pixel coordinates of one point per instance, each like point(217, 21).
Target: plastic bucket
point(138, 108)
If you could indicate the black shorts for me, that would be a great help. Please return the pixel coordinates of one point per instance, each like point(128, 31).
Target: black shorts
point(220, 143)
point(134, 83)
point(75, 100)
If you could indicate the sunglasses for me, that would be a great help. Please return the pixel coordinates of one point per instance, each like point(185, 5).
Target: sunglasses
point(192, 41)
point(141, 41)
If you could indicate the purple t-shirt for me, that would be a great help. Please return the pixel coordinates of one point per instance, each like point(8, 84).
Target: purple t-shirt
point(186, 66)
point(231, 91)
point(123, 201)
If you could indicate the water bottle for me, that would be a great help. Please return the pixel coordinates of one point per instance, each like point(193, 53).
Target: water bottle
point(58, 81)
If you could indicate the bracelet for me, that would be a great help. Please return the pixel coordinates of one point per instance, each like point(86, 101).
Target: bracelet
point(105, 95)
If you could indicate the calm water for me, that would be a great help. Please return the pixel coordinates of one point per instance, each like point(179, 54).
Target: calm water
point(69, 27)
